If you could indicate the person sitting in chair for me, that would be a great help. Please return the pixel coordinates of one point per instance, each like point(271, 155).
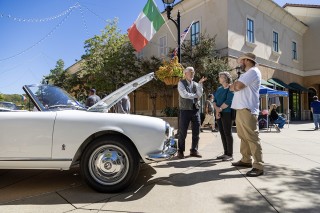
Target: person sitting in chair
point(275, 117)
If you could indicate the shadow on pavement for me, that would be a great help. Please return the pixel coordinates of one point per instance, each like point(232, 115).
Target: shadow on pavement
point(283, 180)
point(302, 183)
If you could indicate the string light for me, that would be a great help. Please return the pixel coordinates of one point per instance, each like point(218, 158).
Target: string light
point(94, 13)
point(84, 22)
point(66, 13)
point(41, 40)
point(34, 20)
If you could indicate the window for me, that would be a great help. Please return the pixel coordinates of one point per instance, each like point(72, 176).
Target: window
point(163, 49)
point(195, 33)
point(294, 51)
point(250, 30)
point(275, 41)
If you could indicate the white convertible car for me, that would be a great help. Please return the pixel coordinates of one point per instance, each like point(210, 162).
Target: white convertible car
point(61, 133)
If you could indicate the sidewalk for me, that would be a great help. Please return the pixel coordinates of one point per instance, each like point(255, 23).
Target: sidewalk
point(291, 182)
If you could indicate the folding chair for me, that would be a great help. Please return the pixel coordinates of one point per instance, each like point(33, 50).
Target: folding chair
point(271, 125)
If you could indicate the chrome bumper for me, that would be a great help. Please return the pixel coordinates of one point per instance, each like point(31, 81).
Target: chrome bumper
point(169, 150)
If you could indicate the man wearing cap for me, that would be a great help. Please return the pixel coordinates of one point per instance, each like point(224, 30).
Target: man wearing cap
point(92, 99)
point(189, 94)
point(246, 102)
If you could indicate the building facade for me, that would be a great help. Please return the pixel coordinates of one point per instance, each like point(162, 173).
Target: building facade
point(284, 39)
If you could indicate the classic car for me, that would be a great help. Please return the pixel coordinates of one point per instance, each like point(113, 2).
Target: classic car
point(61, 133)
point(7, 106)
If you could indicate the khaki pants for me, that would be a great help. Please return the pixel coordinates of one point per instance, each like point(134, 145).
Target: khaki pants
point(209, 119)
point(248, 132)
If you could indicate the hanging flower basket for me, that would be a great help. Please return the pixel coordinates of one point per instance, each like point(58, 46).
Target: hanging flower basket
point(170, 72)
point(172, 80)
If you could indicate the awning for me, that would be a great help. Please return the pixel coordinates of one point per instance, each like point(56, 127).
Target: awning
point(266, 83)
point(279, 83)
point(298, 87)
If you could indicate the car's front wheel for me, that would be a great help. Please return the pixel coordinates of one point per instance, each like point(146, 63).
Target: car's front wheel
point(110, 164)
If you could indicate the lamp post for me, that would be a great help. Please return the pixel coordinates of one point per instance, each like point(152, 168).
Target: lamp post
point(168, 5)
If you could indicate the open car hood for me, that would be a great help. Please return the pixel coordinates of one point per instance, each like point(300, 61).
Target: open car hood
point(51, 98)
point(109, 101)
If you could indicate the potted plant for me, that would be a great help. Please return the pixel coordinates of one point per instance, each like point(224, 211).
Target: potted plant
point(170, 72)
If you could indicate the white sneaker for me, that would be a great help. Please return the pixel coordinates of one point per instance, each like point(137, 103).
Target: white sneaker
point(227, 158)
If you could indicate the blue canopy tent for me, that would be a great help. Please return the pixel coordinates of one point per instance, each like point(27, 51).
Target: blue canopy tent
point(266, 91)
point(270, 93)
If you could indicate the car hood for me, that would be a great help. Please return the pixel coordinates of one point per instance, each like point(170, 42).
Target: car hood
point(109, 101)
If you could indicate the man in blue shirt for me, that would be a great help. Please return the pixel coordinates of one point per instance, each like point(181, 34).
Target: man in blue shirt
point(315, 109)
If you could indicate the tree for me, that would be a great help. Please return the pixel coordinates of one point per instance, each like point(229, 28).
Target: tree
point(154, 88)
point(109, 60)
point(58, 76)
point(205, 60)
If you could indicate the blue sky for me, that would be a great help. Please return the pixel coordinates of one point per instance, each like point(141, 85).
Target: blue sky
point(35, 34)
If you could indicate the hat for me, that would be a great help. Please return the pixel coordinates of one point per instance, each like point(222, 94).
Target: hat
point(249, 56)
point(188, 69)
point(93, 90)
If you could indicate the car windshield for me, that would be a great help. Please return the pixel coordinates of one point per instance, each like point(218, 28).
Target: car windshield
point(51, 98)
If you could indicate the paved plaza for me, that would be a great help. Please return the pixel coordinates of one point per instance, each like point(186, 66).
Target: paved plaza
point(291, 182)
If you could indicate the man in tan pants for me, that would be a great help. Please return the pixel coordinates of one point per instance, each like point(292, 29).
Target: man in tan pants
point(246, 102)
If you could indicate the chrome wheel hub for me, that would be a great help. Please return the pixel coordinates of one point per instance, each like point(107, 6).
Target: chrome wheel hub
point(108, 164)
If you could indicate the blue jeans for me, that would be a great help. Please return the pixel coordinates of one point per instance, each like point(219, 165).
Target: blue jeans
point(281, 121)
point(316, 120)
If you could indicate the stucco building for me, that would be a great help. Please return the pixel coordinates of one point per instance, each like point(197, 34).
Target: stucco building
point(285, 40)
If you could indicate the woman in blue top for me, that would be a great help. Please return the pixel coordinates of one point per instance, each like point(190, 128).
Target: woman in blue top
point(222, 102)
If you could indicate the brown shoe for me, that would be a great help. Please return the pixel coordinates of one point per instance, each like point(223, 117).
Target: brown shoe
point(242, 164)
point(180, 155)
point(195, 153)
point(254, 172)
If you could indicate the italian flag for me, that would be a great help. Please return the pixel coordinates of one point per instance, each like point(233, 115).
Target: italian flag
point(147, 24)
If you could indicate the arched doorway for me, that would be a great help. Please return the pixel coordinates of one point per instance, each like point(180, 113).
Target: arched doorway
point(294, 103)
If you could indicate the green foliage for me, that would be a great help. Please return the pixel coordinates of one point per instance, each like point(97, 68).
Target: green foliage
point(170, 69)
point(109, 60)
point(14, 98)
point(205, 60)
point(58, 76)
point(170, 111)
point(156, 88)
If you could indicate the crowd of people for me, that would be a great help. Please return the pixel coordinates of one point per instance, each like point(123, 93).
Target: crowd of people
point(242, 96)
